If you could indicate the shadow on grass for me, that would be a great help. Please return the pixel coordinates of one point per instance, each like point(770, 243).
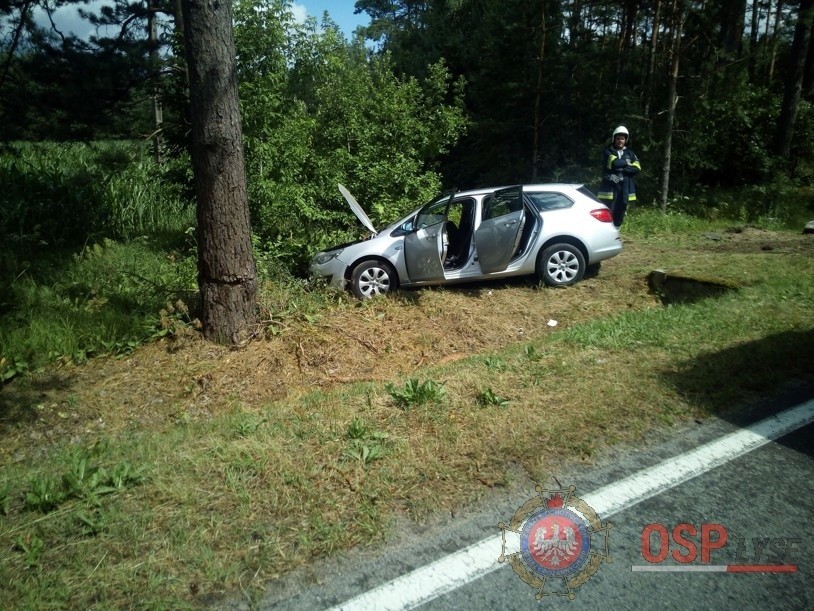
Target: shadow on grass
point(19, 401)
point(766, 376)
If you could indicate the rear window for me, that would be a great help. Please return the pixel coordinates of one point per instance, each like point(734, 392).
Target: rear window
point(588, 193)
point(549, 201)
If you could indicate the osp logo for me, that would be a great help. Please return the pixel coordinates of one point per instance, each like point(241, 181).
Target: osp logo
point(660, 544)
point(558, 536)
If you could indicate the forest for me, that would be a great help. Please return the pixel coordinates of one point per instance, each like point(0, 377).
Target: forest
point(97, 132)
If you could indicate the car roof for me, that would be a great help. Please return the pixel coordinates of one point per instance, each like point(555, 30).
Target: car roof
point(554, 186)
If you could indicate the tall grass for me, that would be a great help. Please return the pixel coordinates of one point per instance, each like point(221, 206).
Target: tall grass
point(105, 299)
point(775, 206)
point(92, 245)
point(64, 194)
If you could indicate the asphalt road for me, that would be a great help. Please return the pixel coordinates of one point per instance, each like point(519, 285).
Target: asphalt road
point(765, 494)
point(764, 499)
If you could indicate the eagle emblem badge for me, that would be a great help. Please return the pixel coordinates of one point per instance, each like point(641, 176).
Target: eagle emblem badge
point(557, 537)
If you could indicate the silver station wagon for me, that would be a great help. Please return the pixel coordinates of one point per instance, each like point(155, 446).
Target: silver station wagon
point(553, 231)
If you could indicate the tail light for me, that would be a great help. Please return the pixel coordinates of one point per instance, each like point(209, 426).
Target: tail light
point(603, 215)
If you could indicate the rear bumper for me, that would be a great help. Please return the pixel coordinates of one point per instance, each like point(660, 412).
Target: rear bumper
point(606, 251)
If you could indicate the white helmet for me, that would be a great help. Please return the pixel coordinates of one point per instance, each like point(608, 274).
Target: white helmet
point(621, 130)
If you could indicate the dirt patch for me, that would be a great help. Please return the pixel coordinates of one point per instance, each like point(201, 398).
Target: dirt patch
point(751, 240)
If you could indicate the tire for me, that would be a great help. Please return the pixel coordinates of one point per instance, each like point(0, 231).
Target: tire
point(561, 265)
point(372, 278)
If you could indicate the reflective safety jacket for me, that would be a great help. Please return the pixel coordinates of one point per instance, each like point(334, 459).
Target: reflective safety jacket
point(617, 175)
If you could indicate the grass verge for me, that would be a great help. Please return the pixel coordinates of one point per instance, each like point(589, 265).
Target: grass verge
point(216, 471)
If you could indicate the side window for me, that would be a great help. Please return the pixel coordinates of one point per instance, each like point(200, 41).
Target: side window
point(550, 201)
point(433, 214)
point(502, 203)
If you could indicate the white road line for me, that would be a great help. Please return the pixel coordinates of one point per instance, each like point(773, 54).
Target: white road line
point(479, 559)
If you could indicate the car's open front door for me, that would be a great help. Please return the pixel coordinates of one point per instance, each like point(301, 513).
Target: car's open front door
point(425, 247)
point(502, 219)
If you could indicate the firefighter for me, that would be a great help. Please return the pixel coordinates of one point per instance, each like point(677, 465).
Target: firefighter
point(619, 166)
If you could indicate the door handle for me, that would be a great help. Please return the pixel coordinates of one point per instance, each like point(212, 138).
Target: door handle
point(430, 237)
point(510, 223)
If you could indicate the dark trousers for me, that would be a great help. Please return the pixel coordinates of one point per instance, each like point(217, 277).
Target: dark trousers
point(620, 201)
point(619, 208)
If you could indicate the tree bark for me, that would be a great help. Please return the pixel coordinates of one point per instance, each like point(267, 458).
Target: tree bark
point(651, 59)
point(794, 79)
point(158, 112)
point(679, 17)
point(538, 95)
point(753, 32)
point(733, 23)
point(808, 73)
point(227, 275)
point(775, 37)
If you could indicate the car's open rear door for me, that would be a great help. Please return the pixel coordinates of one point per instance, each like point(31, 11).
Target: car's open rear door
point(502, 219)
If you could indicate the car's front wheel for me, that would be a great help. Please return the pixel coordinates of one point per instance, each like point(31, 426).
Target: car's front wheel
point(371, 278)
point(561, 265)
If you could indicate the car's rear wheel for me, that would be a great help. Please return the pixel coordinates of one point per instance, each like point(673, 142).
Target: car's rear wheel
point(561, 265)
point(371, 278)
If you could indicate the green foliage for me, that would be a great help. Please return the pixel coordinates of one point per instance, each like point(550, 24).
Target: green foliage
point(366, 445)
point(67, 290)
point(5, 499)
point(57, 195)
point(318, 111)
point(494, 363)
point(726, 139)
point(124, 475)
point(531, 352)
point(84, 480)
point(31, 548)
point(648, 221)
point(488, 398)
point(416, 393)
point(106, 299)
point(11, 367)
point(44, 494)
point(247, 425)
point(776, 205)
point(357, 429)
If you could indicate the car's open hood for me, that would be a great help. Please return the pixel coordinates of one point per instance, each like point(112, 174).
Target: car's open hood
point(357, 209)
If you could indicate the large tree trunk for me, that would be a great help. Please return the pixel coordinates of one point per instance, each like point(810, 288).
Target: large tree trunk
point(651, 60)
point(538, 95)
point(794, 79)
point(227, 275)
point(679, 17)
point(733, 23)
point(753, 32)
point(158, 111)
point(808, 73)
point(775, 37)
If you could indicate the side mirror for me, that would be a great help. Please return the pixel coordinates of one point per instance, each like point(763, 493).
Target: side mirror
point(404, 229)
